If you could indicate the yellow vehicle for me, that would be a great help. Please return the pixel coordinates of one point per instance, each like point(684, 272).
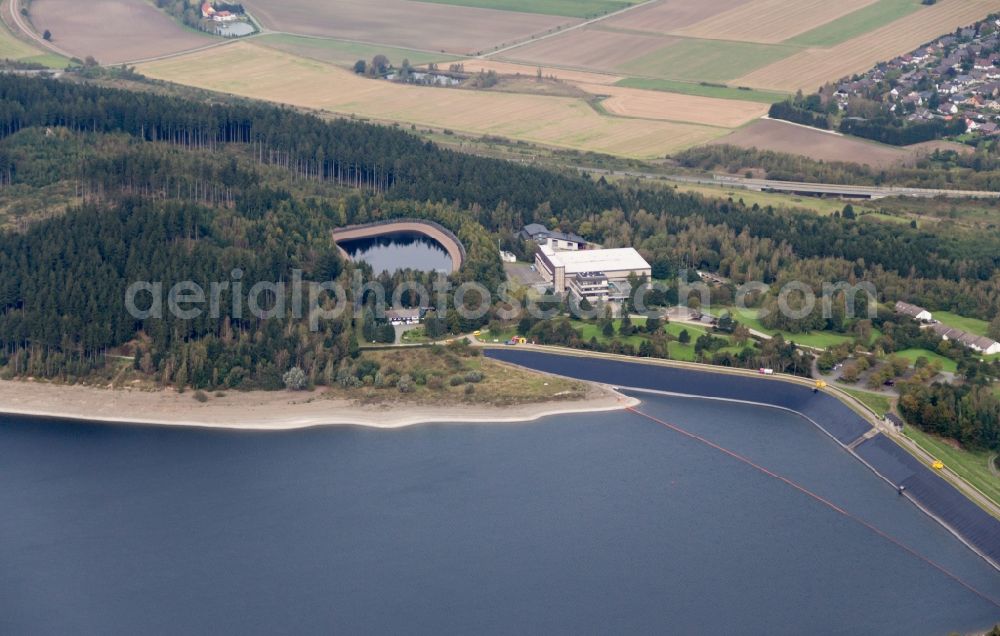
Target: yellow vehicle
point(477, 333)
point(937, 465)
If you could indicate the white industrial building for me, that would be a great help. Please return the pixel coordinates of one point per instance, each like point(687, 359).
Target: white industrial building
point(591, 274)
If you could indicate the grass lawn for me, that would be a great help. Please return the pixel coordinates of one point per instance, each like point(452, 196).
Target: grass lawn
point(817, 339)
point(694, 88)
point(568, 8)
point(972, 466)
point(947, 364)
point(706, 60)
point(881, 404)
point(346, 53)
point(971, 325)
point(857, 23)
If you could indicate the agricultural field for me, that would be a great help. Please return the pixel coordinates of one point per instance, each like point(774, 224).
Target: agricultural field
point(568, 8)
point(475, 65)
point(633, 102)
point(444, 28)
point(703, 89)
point(344, 53)
point(811, 68)
point(771, 21)
point(590, 48)
point(255, 71)
point(705, 60)
point(114, 31)
point(772, 45)
point(779, 136)
point(851, 25)
point(667, 17)
point(641, 80)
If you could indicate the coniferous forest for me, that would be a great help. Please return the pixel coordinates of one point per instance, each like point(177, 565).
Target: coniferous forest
point(104, 187)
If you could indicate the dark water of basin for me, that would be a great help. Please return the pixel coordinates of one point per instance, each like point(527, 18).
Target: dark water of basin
point(401, 250)
point(601, 523)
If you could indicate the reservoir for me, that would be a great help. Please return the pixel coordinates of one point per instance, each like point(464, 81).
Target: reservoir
point(600, 523)
point(399, 250)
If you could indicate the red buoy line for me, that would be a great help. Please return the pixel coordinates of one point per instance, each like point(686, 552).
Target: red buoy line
point(822, 500)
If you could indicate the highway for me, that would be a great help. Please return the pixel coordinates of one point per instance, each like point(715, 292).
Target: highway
point(802, 188)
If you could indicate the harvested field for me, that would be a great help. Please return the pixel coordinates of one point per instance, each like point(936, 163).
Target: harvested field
point(249, 70)
point(404, 24)
point(810, 69)
point(589, 48)
point(771, 21)
point(768, 134)
point(113, 31)
point(568, 8)
point(858, 23)
point(530, 70)
point(633, 102)
point(346, 53)
point(705, 60)
point(667, 16)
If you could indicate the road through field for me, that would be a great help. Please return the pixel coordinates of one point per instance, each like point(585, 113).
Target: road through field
point(587, 23)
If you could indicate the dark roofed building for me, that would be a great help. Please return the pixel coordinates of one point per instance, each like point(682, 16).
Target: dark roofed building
point(558, 241)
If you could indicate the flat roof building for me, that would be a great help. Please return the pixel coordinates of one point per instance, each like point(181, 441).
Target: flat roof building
point(590, 273)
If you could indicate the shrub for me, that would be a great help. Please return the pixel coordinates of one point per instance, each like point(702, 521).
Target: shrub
point(405, 384)
point(474, 377)
point(200, 396)
point(469, 389)
point(295, 379)
point(456, 380)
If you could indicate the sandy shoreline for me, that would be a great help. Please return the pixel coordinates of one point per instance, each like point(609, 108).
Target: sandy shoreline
point(266, 410)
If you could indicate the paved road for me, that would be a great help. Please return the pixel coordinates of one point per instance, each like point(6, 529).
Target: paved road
point(798, 187)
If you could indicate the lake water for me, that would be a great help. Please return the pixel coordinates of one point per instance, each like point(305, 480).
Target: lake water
point(604, 523)
point(234, 29)
point(400, 250)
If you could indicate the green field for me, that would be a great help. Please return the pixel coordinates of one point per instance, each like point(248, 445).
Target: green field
point(706, 60)
point(568, 8)
point(346, 53)
point(947, 364)
point(881, 404)
point(857, 23)
point(695, 88)
point(12, 48)
point(970, 325)
point(972, 466)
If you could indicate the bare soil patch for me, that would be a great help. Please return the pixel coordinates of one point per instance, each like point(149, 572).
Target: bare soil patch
point(113, 31)
point(767, 134)
point(418, 25)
